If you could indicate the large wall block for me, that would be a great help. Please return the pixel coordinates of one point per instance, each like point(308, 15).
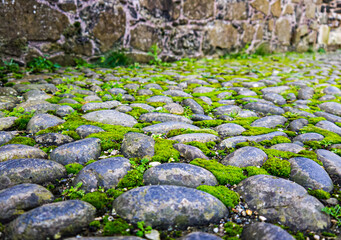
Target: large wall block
point(68, 29)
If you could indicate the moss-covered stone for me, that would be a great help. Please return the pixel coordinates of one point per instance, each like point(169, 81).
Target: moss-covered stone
point(224, 174)
point(232, 230)
point(319, 193)
point(176, 132)
point(97, 199)
point(330, 138)
point(133, 178)
point(119, 226)
point(164, 151)
point(278, 167)
point(251, 171)
point(137, 112)
point(252, 131)
point(225, 195)
point(22, 140)
point(73, 168)
point(275, 140)
point(115, 193)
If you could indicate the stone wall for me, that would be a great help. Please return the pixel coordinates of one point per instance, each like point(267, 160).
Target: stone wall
point(65, 29)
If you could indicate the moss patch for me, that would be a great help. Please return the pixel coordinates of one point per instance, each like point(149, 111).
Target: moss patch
point(225, 195)
point(22, 140)
point(74, 168)
point(98, 199)
point(278, 167)
point(319, 194)
point(164, 151)
point(224, 174)
point(251, 171)
point(275, 140)
point(133, 178)
point(118, 226)
point(204, 147)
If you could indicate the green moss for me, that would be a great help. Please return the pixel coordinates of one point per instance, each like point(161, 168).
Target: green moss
point(54, 100)
point(142, 125)
point(118, 226)
point(204, 147)
point(328, 234)
point(22, 140)
point(225, 195)
point(251, 171)
point(244, 122)
point(224, 174)
point(73, 168)
point(72, 134)
point(164, 151)
point(98, 199)
point(176, 132)
point(319, 194)
point(48, 149)
point(133, 178)
point(76, 106)
point(243, 144)
point(315, 120)
point(137, 112)
point(274, 141)
point(209, 123)
point(115, 193)
point(89, 162)
point(22, 121)
point(95, 224)
point(278, 167)
point(156, 104)
point(290, 133)
point(232, 230)
point(252, 131)
point(299, 236)
point(113, 139)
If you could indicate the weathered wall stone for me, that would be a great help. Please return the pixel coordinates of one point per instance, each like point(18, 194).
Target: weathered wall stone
point(198, 9)
point(110, 28)
point(69, 29)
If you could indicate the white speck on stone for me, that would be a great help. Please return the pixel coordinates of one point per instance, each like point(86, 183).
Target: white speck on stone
point(154, 164)
point(316, 237)
point(262, 218)
point(215, 230)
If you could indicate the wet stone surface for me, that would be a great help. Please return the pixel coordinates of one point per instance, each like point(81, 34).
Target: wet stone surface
point(197, 149)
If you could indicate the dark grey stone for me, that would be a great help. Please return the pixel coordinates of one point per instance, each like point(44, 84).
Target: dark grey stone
point(163, 117)
point(329, 126)
point(111, 117)
point(43, 121)
point(282, 200)
point(16, 151)
point(194, 106)
point(165, 127)
point(331, 163)
point(265, 231)
point(330, 117)
point(277, 90)
point(269, 121)
point(200, 236)
point(85, 130)
point(229, 129)
point(200, 117)
point(104, 173)
point(34, 95)
point(17, 171)
point(163, 206)
point(275, 98)
point(297, 124)
point(52, 220)
point(102, 105)
point(7, 122)
point(189, 152)
point(305, 93)
point(331, 107)
point(288, 147)
point(53, 139)
point(176, 93)
point(5, 137)
point(264, 108)
point(309, 174)
point(137, 145)
point(246, 156)
point(77, 152)
point(20, 198)
point(199, 137)
point(305, 137)
point(331, 90)
point(62, 111)
point(227, 110)
point(163, 99)
point(179, 174)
